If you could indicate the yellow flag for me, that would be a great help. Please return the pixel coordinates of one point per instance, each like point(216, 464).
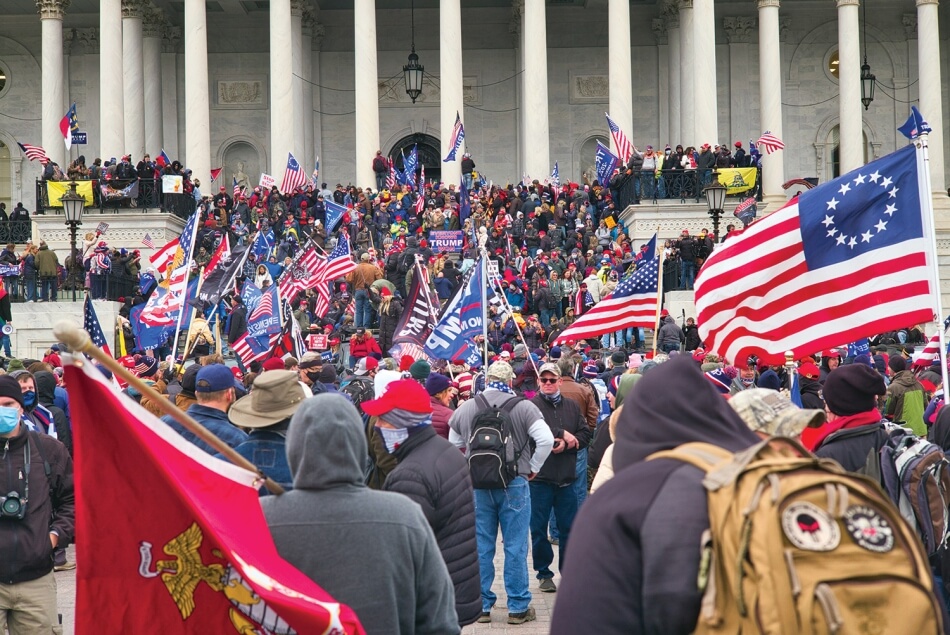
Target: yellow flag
point(737, 180)
point(56, 189)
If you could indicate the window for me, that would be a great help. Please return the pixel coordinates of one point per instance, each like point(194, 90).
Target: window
point(833, 63)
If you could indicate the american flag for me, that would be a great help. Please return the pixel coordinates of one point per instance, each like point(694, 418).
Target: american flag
point(323, 299)
point(455, 141)
point(770, 142)
point(163, 257)
point(843, 261)
point(632, 303)
point(556, 176)
point(148, 242)
point(34, 153)
point(90, 322)
point(235, 188)
point(420, 203)
point(391, 177)
point(263, 308)
point(287, 340)
point(301, 275)
point(932, 349)
point(293, 176)
point(624, 147)
point(339, 263)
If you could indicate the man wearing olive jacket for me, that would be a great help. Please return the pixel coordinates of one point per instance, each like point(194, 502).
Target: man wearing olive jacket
point(38, 515)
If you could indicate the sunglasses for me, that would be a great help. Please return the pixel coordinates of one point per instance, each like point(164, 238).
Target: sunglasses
point(548, 380)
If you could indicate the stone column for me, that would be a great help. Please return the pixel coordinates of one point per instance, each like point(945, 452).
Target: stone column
point(619, 69)
point(674, 32)
point(297, 55)
point(51, 18)
point(153, 24)
point(283, 118)
point(450, 79)
point(197, 100)
point(366, 83)
point(171, 39)
point(742, 110)
point(851, 133)
point(319, 32)
point(133, 83)
point(306, 84)
point(517, 41)
point(704, 74)
point(111, 102)
point(770, 99)
point(537, 151)
point(687, 76)
point(662, 130)
point(931, 99)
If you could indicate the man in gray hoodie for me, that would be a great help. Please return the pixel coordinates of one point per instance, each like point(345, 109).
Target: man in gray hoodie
point(373, 551)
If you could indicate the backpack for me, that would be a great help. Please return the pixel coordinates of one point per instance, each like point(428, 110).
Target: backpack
point(492, 459)
point(358, 390)
point(915, 473)
point(795, 540)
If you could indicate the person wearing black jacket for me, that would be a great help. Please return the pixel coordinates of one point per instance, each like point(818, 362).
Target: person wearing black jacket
point(809, 387)
point(433, 473)
point(552, 488)
point(635, 551)
point(27, 588)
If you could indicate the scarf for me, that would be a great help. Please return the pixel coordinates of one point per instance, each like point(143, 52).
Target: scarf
point(500, 386)
point(554, 400)
point(814, 437)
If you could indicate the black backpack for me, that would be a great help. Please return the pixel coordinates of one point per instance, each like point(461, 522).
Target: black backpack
point(358, 390)
point(492, 459)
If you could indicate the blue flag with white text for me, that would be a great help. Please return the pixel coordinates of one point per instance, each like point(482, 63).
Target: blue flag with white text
point(915, 125)
point(461, 321)
point(335, 212)
point(605, 162)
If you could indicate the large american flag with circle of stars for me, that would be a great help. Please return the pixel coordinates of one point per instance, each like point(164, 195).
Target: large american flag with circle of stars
point(845, 260)
point(632, 303)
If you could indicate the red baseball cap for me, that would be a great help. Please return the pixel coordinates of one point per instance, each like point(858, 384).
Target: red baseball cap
point(404, 394)
point(809, 370)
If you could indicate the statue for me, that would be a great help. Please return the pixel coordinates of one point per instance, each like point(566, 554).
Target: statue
point(241, 177)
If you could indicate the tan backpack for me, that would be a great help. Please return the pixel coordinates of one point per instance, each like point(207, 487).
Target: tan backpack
point(797, 545)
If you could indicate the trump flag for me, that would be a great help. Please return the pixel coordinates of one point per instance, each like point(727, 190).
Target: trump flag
point(840, 262)
point(195, 555)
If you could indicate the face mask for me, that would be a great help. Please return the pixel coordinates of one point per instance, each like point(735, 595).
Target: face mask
point(9, 418)
point(393, 438)
point(747, 382)
point(29, 399)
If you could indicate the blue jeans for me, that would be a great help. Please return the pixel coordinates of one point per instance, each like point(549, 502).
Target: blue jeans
point(546, 497)
point(580, 488)
point(688, 274)
point(510, 508)
point(364, 310)
point(380, 181)
point(30, 280)
point(48, 288)
point(10, 284)
point(5, 343)
point(469, 182)
point(546, 317)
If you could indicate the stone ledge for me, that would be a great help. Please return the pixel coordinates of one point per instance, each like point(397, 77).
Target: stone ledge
point(33, 324)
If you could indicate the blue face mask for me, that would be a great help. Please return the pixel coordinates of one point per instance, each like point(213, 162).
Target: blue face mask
point(29, 399)
point(9, 418)
point(393, 438)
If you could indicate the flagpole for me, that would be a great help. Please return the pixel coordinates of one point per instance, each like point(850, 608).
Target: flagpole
point(928, 213)
point(659, 289)
point(78, 341)
point(483, 248)
point(191, 322)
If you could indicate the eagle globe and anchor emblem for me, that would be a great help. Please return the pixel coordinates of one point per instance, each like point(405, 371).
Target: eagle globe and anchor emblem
point(249, 614)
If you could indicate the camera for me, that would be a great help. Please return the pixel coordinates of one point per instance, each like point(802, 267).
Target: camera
point(12, 507)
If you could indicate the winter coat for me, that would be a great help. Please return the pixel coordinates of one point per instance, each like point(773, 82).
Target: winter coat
point(628, 572)
point(433, 473)
point(905, 402)
point(811, 393)
point(440, 417)
point(45, 383)
point(377, 552)
point(692, 341)
point(47, 262)
point(670, 332)
point(387, 324)
point(854, 438)
point(561, 468)
point(362, 348)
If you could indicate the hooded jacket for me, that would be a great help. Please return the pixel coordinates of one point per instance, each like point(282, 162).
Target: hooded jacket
point(433, 473)
point(45, 384)
point(905, 402)
point(628, 572)
point(373, 551)
point(670, 332)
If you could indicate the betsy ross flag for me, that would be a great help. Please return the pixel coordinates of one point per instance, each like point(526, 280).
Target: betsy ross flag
point(770, 142)
point(90, 322)
point(455, 141)
point(34, 153)
point(632, 303)
point(198, 557)
point(68, 125)
point(148, 242)
point(843, 261)
point(293, 176)
point(623, 145)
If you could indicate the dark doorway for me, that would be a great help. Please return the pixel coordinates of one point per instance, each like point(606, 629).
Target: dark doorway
point(429, 154)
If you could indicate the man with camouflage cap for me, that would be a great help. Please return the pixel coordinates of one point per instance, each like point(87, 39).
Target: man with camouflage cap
point(769, 413)
point(510, 507)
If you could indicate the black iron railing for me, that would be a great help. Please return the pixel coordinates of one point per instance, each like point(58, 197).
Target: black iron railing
point(149, 196)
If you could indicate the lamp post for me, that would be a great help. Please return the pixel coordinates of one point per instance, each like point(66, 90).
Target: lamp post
point(73, 206)
point(413, 71)
point(715, 199)
point(867, 77)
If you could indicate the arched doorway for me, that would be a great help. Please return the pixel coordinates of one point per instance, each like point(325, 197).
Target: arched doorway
point(834, 139)
point(243, 162)
point(587, 162)
point(428, 150)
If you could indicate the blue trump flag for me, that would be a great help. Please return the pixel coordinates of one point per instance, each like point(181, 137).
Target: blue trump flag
point(335, 212)
point(860, 347)
point(915, 125)
point(250, 295)
point(263, 243)
point(465, 205)
point(606, 162)
point(410, 164)
point(461, 321)
point(264, 320)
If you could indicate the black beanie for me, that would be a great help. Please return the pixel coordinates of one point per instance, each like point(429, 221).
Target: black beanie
point(9, 387)
point(852, 389)
point(618, 358)
point(327, 374)
point(896, 363)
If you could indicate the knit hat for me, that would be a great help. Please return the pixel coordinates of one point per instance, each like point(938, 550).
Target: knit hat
point(699, 355)
point(274, 363)
point(852, 389)
point(897, 364)
point(405, 362)
point(636, 361)
point(420, 370)
point(520, 350)
point(590, 370)
point(404, 395)
point(436, 383)
point(327, 374)
point(145, 366)
point(769, 379)
point(15, 364)
point(618, 358)
point(9, 387)
point(721, 379)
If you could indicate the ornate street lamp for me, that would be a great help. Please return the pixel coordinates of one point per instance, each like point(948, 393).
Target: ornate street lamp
point(715, 200)
point(413, 72)
point(73, 207)
point(867, 77)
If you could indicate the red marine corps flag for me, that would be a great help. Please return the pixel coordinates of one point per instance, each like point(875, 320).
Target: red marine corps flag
point(173, 540)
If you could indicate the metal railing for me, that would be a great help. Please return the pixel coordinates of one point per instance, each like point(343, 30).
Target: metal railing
point(149, 197)
point(28, 287)
point(660, 185)
point(15, 231)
